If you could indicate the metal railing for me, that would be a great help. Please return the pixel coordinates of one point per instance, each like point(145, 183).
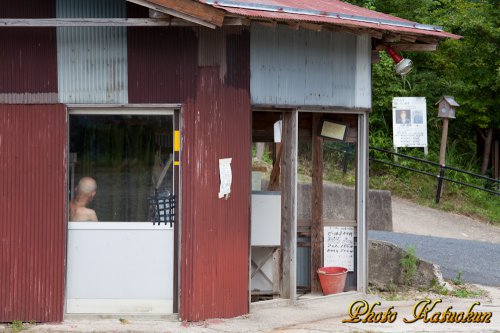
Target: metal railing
point(441, 173)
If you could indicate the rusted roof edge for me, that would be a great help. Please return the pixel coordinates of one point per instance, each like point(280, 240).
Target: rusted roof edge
point(312, 12)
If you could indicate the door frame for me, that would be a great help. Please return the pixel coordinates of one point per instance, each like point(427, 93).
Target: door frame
point(173, 109)
point(361, 192)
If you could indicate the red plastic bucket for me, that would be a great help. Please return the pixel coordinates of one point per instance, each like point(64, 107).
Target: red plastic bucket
point(332, 279)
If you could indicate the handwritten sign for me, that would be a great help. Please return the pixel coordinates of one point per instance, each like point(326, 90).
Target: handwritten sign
point(339, 247)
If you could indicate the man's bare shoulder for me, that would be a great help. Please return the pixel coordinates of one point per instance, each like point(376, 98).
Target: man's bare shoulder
point(83, 214)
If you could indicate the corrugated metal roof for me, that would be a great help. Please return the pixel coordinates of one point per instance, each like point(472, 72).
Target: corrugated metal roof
point(326, 11)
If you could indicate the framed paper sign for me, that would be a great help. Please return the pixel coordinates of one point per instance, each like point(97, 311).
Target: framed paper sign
point(333, 130)
point(409, 122)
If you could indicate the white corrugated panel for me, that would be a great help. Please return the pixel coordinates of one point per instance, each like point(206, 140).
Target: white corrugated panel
point(363, 71)
point(307, 68)
point(92, 61)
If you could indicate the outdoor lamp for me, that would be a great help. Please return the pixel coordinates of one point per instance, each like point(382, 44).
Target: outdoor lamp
point(403, 66)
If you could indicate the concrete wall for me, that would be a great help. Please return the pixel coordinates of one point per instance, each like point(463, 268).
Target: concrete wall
point(339, 204)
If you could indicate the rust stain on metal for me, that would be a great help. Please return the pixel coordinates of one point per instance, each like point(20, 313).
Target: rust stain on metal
point(172, 65)
point(162, 64)
point(215, 232)
point(324, 10)
point(28, 58)
point(215, 238)
point(32, 212)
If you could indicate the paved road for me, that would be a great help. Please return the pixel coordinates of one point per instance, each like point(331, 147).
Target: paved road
point(410, 218)
point(478, 261)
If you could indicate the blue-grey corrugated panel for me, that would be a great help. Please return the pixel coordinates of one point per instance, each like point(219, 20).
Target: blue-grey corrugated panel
point(304, 264)
point(303, 67)
point(304, 267)
point(351, 281)
point(363, 71)
point(92, 61)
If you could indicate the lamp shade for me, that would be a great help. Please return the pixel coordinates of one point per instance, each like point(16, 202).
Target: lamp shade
point(403, 66)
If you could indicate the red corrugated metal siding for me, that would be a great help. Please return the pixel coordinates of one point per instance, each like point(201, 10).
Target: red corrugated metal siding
point(28, 56)
point(215, 232)
point(32, 212)
point(162, 64)
point(214, 86)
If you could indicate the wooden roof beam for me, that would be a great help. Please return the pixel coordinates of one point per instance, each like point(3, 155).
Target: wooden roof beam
point(294, 25)
point(409, 39)
point(311, 26)
point(95, 22)
point(414, 47)
point(391, 38)
point(408, 47)
point(237, 21)
point(267, 23)
point(355, 31)
point(188, 10)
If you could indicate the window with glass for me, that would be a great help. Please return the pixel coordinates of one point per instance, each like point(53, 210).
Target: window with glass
point(120, 164)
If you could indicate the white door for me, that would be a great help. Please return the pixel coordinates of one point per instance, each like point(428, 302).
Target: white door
point(123, 263)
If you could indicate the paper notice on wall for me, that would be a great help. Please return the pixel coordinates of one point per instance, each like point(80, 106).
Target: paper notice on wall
point(339, 247)
point(226, 177)
point(277, 131)
point(409, 122)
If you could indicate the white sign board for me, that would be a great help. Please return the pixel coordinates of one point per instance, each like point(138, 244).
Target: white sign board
point(409, 122)
point(339, 247)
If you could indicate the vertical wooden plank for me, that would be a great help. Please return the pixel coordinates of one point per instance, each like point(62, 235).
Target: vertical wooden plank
point(275, 173)
point(276, 273)
point(444, 137)
point(316, 204)
point(289, 205)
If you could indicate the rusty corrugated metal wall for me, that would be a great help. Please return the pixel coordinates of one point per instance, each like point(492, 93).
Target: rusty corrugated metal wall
point(32, 212)
point(215, 232)
point(162, 62)
point(28, 57)
point(216, 119)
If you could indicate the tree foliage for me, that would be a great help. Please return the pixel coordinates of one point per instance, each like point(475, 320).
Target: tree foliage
point(468, 69)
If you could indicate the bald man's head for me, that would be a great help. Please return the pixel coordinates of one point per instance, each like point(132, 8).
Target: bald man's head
point(87, 187)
